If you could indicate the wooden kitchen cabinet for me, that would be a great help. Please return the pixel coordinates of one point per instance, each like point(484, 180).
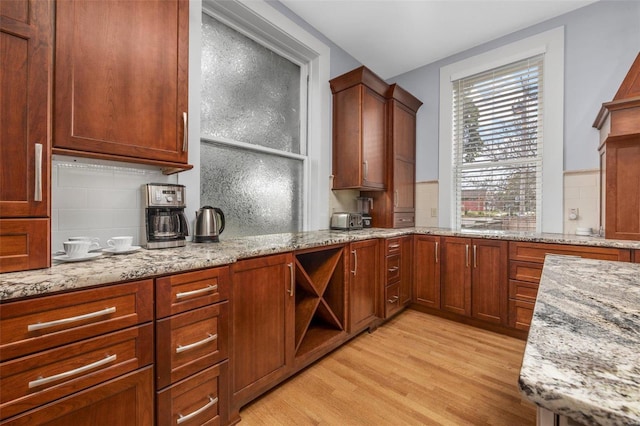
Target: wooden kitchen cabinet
point(474, 278)
point(619, 124)
point(121, 81)
point(636, 256)
point(397, 272)
point(262, 326)
point(426, 272)
point(359, 130)
point(395, 207)
point(363, 284)
point(26, 29)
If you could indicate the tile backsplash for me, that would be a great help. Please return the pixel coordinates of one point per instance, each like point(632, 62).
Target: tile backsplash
point(98, 198)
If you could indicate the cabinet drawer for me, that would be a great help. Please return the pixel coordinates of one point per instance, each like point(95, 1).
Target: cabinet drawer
point(24, 244)
point(520, 314)
point(392, 246)
point(525, 271)
point(392, 264)
point(189, 342)
point(198, 400)
point(523, 290)
point(392, 300)
point(183, 292)
point(30, 326)
point(535, 252)
point(404, 220)
point(46, 376)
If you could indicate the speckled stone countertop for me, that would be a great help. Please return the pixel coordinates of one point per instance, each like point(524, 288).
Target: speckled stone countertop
point(149, 263)
point(582, 358)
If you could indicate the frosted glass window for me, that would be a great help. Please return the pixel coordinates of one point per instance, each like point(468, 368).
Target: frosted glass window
point(258, 193)
point(249, 93)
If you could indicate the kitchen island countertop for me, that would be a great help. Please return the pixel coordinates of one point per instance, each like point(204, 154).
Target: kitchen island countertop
point(581, 360)
point(150, 263)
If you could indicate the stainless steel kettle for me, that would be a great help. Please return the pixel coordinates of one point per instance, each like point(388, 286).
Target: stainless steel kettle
point(209, 225)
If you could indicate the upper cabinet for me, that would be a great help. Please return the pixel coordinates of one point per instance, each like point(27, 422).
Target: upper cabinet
point(359, 130)
point(25, 140)
point(121, 81)
point(619, 125)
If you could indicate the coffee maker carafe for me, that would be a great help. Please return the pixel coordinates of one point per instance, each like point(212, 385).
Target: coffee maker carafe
point(364, 206)
point(165, 223)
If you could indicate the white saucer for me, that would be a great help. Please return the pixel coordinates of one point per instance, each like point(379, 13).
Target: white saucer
point(65, 258)
point(125, 251)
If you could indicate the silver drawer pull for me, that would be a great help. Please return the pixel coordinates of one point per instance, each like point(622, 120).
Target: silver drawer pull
point(195, 292)
point(37, 192)
point(394, 299)
point(211, 338)
point(181, 418)
point(185, 137)
point(393, 246)
point(41, 325)
point(44, 380)
point(395, 268)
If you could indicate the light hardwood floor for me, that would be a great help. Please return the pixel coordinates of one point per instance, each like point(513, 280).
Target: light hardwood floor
point(416, 369)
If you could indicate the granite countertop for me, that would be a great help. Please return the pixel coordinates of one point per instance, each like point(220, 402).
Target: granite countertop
point(149, 263)
point(582, 355)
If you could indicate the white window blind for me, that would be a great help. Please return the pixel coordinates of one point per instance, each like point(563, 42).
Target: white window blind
point(497, 147)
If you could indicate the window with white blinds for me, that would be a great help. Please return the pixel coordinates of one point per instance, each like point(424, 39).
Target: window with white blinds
point(497, 147)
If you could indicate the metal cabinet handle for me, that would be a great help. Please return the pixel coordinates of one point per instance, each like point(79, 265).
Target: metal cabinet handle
point(293, 279)
point(394, 246)
point(366, 170)
point(355, 262)
point(394, 299)
point(44, 380)
point(466, 255)
point(181, 418)
point(436, 252)
point(395, 198)
point(184, 348)
point(37, 193)
point(41, 325)
point(395, 268)
point(185, 134)
point(207, 289)
point(475, 256)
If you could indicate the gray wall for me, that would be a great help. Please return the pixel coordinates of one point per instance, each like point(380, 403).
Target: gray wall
point(601, 42)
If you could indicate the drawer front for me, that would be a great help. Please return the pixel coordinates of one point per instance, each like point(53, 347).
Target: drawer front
point(523, 290)
point(198, 400)
point(392, 300)
point(525, 271)
point(392, 246)
point(520, 314)
point(535, 252)
point(183, 292)
point(404, 220)
point(190, 342)
point(393, 268)
point(37, 379)
point(24, 244)
point(30, 326)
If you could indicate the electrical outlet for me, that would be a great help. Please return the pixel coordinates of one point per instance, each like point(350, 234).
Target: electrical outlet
point(573, 214)
point(434, 212)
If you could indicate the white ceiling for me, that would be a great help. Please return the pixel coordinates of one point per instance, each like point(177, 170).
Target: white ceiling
point(392, 37)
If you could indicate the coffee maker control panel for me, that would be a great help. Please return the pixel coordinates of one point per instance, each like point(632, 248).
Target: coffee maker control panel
point(165, 195)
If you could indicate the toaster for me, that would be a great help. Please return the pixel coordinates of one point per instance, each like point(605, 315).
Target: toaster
point(346, 221)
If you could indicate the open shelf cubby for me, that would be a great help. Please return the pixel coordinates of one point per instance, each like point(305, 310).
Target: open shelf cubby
point(320, 297)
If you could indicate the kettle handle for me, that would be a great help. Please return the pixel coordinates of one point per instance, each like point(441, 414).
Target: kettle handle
point(184, 227)
point(217, 210)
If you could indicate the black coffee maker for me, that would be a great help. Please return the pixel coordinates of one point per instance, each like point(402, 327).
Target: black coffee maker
point(365, 205)
point(165, 222)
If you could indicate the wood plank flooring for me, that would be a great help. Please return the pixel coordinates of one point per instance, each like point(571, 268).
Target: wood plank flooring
point(416, 369)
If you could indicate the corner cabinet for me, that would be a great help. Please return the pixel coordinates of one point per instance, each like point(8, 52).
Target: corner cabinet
point(26, 28)
point(121, 81)
point(359, 130)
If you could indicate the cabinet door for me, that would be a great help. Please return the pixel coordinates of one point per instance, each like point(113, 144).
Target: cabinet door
point(25, 70)
point(426, 290)
point(262, 329)
point(373, 139)
point(456, 275)
point(363, 284)
point(404, 145)
point(489, 280)
point(127, 400)
point(121, 78)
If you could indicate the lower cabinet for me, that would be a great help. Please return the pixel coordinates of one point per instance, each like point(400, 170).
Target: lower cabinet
point(636, 256)
point(397, 274)
point(262, 326)
point(426, 271)
point(363, 284)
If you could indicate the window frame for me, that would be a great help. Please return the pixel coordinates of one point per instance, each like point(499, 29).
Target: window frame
point(551, 44)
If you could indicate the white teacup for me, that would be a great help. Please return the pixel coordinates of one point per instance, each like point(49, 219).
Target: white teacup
point(76, 249)
point(120, 243)
point(95, 242)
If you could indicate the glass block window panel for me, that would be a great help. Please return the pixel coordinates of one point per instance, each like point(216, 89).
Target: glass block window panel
point(497, 147)
point(249, 93)
point(258, 193)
